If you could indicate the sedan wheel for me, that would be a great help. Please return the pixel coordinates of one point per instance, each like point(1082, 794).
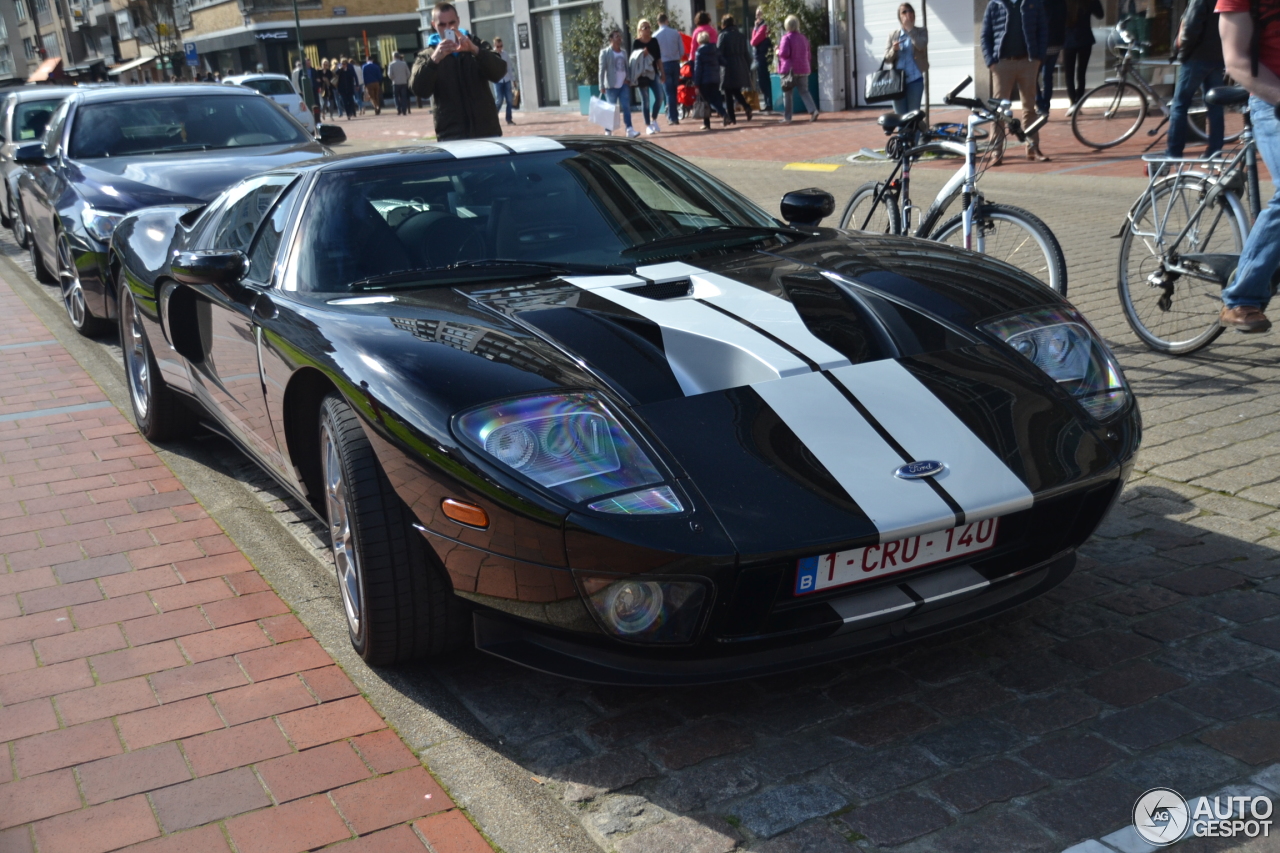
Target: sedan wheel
point(37, 261)
point(156, 409)
point(397, 599)
point(18, 224)
point(73, 293)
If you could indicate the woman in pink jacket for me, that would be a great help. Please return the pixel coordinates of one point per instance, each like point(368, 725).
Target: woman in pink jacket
point(793, 58)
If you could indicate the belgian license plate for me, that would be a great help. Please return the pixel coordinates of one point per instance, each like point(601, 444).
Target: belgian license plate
point(887, 558)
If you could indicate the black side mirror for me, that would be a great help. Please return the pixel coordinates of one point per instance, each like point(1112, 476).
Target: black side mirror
point(807, 207)
point(221, 269)
point(31, 154)
point(330, 134)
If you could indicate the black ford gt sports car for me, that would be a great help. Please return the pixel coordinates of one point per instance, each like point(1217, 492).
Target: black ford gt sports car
point(580, 404)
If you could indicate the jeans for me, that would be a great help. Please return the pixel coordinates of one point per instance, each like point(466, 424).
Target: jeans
point(1044, 93)
point(910, 100)
point(1075, 64)
point(645, 88)
point(1193, 76)
point(802, 87)
point(401, 93)
point(502, 91)
point(672, 70)
point(1261, 255)
point(764, 82)
point(622, 97)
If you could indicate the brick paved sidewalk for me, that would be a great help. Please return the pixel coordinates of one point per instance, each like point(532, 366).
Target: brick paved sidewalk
point(155, 693)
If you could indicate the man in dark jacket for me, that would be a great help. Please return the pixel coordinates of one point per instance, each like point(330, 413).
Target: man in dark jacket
point(455, 73)
point(1199, 49)
point(1015, 35)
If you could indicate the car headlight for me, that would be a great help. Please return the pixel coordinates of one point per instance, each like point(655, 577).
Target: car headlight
point(646, 609)
point(99, 223)
point(1062, 344)
point(572, 444)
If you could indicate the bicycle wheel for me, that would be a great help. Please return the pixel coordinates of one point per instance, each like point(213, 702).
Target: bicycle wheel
point(1015, 236)
point(1198, 122)
point(865, 213)
point(1109, 114)
point(1179, 313)
point(939, 211)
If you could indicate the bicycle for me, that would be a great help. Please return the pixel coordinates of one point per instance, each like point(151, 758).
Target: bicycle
point(1182, 238)
point(1002, 231)
point(1120, 105)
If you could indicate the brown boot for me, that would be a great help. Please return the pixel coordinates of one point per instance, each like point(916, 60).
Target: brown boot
point(1244, 318)
point(1035, 155)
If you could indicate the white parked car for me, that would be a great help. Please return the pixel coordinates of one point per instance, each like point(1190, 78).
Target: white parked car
point(278, 88)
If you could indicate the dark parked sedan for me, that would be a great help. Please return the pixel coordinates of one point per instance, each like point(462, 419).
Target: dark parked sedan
point(24, 114)
point(580, 404)
point(107, 152)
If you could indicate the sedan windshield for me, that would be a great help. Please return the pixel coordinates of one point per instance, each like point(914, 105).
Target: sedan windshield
point(162, 125)
point(602, 207)
point(271, 86)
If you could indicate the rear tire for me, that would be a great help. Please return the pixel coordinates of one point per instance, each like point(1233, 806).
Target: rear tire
point(1015, 236)
point(37, 262)
point(73, 296)
point(1184, 318)
point(1109, 114)
point(157, 410)
point(398, 601)
point(18, 223)
point(864, 213)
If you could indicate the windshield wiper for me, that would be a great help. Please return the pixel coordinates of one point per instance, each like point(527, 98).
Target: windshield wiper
point(498, 267)
point(715, 234)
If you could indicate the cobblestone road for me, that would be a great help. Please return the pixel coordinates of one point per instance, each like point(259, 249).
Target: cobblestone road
point(1156, 663)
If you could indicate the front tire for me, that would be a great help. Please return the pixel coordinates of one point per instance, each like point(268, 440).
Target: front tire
point(1109, 114)
point(1015, 236)
point(37, 261)
point(158, 411)
point(18, 223)
point(398, 603)
point(73, 296)
point(865, 213)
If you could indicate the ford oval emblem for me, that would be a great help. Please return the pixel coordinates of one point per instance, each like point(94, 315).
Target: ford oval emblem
point(919, 470)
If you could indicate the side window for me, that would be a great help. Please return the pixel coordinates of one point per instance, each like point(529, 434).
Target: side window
point(267, 244)
point(246, 207)
point(53, 133)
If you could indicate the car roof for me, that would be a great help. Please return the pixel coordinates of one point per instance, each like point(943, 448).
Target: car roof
point(39, 93)
point(463, 149)
point(236, 78)
point(154, 90)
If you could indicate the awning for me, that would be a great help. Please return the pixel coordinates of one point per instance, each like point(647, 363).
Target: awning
point(130, 65)
point(46, 70)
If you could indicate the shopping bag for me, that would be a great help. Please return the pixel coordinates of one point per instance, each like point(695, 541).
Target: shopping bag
point(753, 98)
point(885, 84)
point(604, 114)
point(701, 109)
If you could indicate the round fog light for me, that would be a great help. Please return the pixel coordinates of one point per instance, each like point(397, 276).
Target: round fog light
point(633, 606)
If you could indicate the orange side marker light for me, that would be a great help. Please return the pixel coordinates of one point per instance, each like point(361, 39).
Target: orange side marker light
point(465, 513)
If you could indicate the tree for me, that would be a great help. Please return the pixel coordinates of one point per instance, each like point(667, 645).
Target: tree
point(158, 25)
point(813, 20)
point(649, 10)
point(584, 40)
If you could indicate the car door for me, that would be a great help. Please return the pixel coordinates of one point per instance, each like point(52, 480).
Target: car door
point(229, 376)
point(44, 184)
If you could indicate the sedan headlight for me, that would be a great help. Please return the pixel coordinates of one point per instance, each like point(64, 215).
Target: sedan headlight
point(1062, 344)
point(646, 609)
point(572, 444)
point(100, 224)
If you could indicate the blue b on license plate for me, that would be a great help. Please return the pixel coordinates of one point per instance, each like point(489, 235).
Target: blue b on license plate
point(858, 564)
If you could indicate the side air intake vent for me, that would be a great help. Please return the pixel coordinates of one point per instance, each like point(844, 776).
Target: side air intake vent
point(663, 290)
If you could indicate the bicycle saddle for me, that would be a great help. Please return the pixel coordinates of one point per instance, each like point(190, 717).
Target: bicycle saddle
point(1227, 96)
point(892, 121)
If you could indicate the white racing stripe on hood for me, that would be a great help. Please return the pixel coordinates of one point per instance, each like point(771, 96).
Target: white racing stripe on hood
point(465, 149)
point(855, 454)
point(707, 350)
point(975, 477)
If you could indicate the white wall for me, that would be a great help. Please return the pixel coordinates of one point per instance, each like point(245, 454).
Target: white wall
point(951, 40)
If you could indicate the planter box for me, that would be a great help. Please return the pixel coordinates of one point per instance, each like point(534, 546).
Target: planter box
point(797, 105)
point(585, 93)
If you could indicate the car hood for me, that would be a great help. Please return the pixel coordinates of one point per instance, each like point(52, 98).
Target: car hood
point(784, 390)
point(190, 177)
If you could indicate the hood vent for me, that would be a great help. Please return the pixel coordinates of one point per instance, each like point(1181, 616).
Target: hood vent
point(663, 289)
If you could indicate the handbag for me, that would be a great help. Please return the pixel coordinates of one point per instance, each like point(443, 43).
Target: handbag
point(701, 109)
point(788, 81)
point(885, 84)
point(515, 97)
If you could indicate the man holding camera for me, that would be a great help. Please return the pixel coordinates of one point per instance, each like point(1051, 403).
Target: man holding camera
point(455, 72)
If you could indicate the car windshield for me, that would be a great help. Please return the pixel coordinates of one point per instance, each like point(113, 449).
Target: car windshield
point(31, 117)
point(587, 206)
point(271, 87)
point(162, 125)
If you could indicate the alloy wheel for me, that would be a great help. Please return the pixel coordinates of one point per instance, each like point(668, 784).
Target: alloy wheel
point(342, 536)
point(135, 355)
point(19, 225)
point(69, 280)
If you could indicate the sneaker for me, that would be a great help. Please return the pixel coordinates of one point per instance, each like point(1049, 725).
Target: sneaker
point(632, 133)
point(608, 133)
point(655, 127)
point(648, 130)
point(1244, 318)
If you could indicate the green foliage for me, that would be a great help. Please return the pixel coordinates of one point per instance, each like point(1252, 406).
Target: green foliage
point(813, 21)
point(649, 10)
point(583, 41)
